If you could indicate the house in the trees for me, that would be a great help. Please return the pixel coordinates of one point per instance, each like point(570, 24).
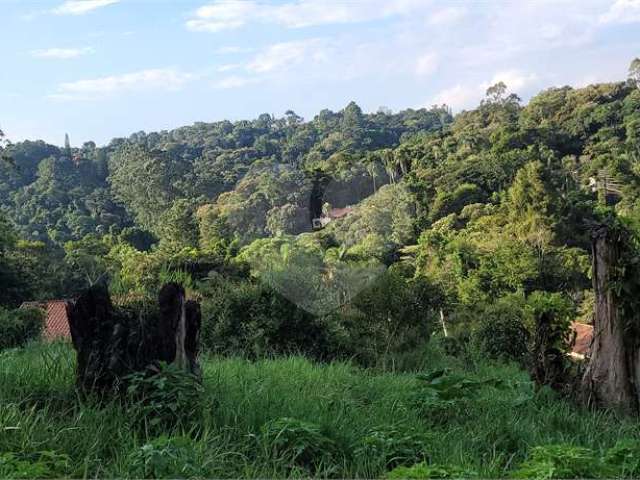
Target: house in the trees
point(329, 216)
point(56, 323)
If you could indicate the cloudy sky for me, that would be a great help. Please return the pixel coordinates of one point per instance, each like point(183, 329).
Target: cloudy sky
point(99, 69)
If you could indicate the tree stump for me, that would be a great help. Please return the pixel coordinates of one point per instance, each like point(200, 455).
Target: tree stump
point(112, 343)
point(612, 376)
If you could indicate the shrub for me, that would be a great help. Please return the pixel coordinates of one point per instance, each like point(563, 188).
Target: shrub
point(166, 458)
point(391, 447)
point(559, 311)
point(502, 334)
point(395, 315)
point(502, 338)
point(454, 346)
point(253, 320)
point(444, 386)
point(17, 327)
point(300, 444)
point(423, 470)
point(560, 461)
point(568, 461)
point(624, 459)
point(442, 396)
point(167, 396)
point(44, 464)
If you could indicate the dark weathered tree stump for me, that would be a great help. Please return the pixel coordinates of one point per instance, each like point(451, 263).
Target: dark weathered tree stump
point(612, 377)
point(112, 343)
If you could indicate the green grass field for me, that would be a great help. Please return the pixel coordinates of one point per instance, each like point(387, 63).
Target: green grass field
point(289, 417)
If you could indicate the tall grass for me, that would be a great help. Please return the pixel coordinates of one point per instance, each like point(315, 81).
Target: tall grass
point(489, 433)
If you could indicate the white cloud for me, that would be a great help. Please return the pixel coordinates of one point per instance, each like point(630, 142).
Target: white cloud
point(281, 55)
point(231, 49)
point(513, 79)
point(222, 15)
point(458, 97)
point(228, 67)
point(622, 11)
point(230, 14)
point(461, 97)
point(269, 64)
point(80, 7)
point(158, 79)
point(236, 81)
point(427, 64)
point(61, 53)
point(447, 16)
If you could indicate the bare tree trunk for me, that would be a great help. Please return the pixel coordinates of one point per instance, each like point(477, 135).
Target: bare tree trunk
point(611, 377)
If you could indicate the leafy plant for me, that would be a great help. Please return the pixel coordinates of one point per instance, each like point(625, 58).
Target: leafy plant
point(423, 470)
point(166, 457)
point(503, 338)
point(624, 458)
point(166, 396)
point(502, 333)
point(393, 446)
point(560, 461)
point(299, 443)
point(443, 386)
point(19, 326)
point(45, 464)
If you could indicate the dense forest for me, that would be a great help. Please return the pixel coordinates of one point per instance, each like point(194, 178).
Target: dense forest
point(476, 212)
point(352, 237)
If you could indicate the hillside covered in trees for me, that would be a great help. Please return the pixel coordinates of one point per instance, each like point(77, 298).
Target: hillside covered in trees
point(382, 294)
point(481, 209)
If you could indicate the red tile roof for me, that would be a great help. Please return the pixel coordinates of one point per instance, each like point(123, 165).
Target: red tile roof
point(56, 323)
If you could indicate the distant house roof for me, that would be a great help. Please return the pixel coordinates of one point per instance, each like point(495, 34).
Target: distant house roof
point(336, 213)
point(56, 323)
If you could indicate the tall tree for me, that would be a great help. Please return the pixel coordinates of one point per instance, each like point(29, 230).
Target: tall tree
point(611, 378)
point(3, 144)
point(634, 71)
point(67, 145)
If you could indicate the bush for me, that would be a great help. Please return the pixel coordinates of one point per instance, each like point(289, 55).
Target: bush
point(502, 339)
point(394, 316)
point(557, 309)
point(422, 470)
point(253, 320)
point(442, 396)
point(166, 458)
point(390, 447)
point(623, 459)
point(568, 461)
point(502, 334)
point(166, 397)
point(300, 444)
point(560, 461)
point(17, 327)
point(45, 464)
point(454, 346)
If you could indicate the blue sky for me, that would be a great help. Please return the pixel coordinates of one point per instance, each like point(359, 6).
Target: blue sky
point(99, 69)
